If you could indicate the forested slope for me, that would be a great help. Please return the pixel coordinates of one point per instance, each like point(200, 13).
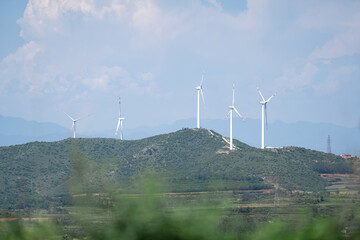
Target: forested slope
point(42, 173)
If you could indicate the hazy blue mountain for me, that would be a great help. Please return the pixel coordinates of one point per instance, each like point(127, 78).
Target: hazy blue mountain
point(15, 130)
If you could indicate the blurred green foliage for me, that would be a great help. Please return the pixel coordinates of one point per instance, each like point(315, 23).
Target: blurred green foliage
point(121, 215)
point(18, 230)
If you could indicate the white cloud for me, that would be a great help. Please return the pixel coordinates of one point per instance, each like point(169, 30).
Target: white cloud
point(145, 76)
point(336, 77)
point(69, 61)
point(328, 15)
point(340, 18)
point(19, 69)
point(98, 49)
point(343, 22)
point(148, 23)
point(104, 81)
point(42, 17)
point(346, 44)
point(19, 72)
point(254, 18)
point(297, 81)
point(307, 78)
point(154, 27)
point(215, 4)
point(115, 79)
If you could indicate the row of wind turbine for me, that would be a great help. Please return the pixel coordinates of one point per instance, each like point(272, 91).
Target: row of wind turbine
point(199, 90)
point(119, 125)
point(232, 108)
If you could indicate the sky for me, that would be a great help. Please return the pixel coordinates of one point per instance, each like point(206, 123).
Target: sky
point(80, 56)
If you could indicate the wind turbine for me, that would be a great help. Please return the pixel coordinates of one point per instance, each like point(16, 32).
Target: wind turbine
point(120, 122)
point(199, 91)
point(74, 124)
point(264, 116)
point(232, 108)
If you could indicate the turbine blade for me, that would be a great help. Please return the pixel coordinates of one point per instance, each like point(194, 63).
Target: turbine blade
point(202, 79)
point(69, 116)
point(117, 128)
point(260, 93)
point(233, 94)
point(227, 115)
point(239, 114)
point(271, 97)
point(119, 107)
point(202, 95)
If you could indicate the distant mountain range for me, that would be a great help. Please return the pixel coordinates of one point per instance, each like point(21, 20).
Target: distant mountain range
point(303, 134)
point(15, 130)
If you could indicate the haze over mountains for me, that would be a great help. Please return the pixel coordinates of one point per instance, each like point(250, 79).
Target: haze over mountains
point(15, 130)
point(303, 134)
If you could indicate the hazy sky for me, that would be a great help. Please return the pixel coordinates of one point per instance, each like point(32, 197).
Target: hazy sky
point(79, 56)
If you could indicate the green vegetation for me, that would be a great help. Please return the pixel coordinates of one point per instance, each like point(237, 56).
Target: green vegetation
point(153, 215)
point(40, 174)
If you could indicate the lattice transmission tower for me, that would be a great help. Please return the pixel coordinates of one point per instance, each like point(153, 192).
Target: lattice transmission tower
point(328, 149)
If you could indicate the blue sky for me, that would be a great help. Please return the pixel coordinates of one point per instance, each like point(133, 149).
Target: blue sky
point(80, 56)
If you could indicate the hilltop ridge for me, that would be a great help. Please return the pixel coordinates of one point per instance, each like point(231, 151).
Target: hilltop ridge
point(185, 160)
point(305, 134)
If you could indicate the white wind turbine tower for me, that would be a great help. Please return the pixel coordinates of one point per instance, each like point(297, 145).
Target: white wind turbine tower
point(264, 116)
point(74, 124)
point(120, 122)
point(199, 91)
point(232, 108)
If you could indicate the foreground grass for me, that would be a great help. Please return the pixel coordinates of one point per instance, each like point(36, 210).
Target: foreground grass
point(152, 216)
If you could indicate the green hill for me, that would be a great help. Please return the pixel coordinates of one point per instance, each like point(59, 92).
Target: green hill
point(40, 173)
